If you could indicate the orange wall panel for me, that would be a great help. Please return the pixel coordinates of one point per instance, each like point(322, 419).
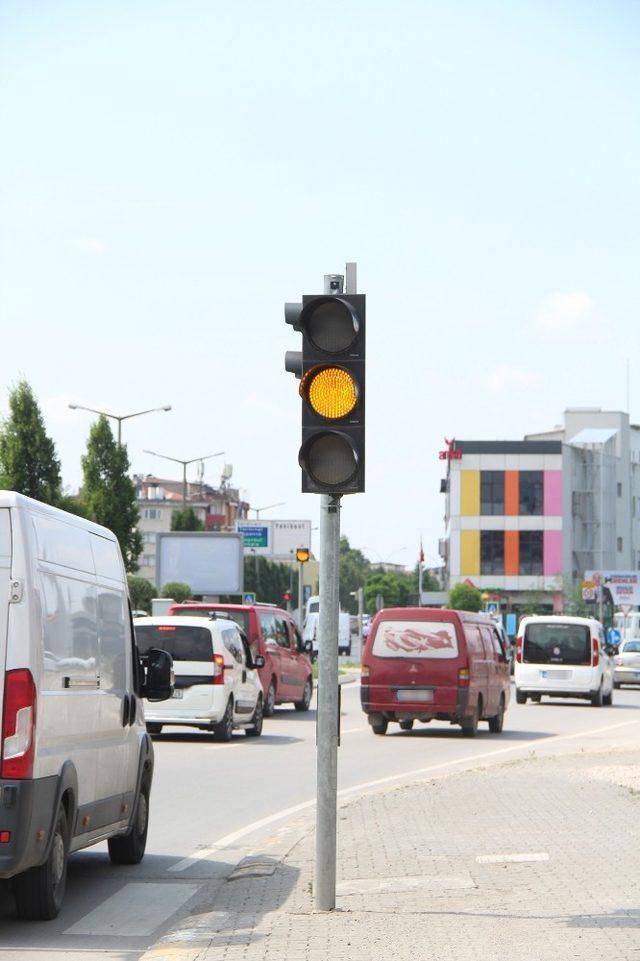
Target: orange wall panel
point(511, 553)
point(511, 493)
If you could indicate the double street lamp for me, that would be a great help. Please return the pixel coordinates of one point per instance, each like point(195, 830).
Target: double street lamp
point(120, 417)
point(185, 463)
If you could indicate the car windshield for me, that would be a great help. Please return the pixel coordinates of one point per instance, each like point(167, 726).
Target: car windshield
point(240, 617)
point(183, 643)
point(556, 644)
point(631, 647)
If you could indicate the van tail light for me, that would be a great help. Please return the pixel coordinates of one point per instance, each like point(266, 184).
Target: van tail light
point(519, 650)
point(18, 725)
point(218, 669)
point(364, 673)
point(595, 655)
point(463, 677)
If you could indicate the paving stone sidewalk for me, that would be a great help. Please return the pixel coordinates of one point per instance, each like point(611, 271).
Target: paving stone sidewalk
point(537, 860)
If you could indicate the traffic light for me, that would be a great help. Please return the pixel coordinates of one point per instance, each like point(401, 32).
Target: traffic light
point(286, 596)
point(302, 555)
point(331, 369)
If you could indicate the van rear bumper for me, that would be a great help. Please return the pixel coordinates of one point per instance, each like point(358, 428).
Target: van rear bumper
point(447, 703)
point(26, 808)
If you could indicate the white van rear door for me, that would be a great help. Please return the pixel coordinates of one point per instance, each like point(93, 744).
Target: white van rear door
point(5, 576)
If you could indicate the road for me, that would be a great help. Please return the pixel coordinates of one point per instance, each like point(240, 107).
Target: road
point(212, 803)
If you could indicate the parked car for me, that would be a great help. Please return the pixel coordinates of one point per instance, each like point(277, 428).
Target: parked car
point(421, 664)
point(217, 687)
point(286, 675)
point(77, 763)
point(627, 663)
point(562, 656)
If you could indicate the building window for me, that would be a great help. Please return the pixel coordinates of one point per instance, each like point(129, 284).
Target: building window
point(148, 537)
point(619, 489)
point(153, 514)
point(492, 552)
point(531, 492)
point(619, 543)
point(530, 551)
point(147, 560)
point(492, 492)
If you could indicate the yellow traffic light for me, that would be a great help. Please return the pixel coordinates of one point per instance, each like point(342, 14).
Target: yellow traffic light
point(331, 391)
point(302, 555)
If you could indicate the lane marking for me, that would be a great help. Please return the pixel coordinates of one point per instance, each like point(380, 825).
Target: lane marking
point(353, 730)
point(511, 858)
point(230, 839)
point(136, 909)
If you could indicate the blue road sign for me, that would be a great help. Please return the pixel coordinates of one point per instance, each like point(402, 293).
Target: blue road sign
point(614, 636)
point(512, 625)
point(249, 598)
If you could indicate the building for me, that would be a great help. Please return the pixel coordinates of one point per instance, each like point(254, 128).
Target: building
point(217, 507)
point(533, 516)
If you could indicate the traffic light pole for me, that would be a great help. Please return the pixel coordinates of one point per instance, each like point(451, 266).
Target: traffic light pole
point(300, 596)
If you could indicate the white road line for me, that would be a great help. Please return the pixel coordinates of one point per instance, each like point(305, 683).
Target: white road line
point(135, 910)
point(235, 836)
point(512, 858)
point(353, 730)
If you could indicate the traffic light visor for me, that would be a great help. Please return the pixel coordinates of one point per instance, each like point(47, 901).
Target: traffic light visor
point(330, 391)
point(331, 324)
point(329, 458)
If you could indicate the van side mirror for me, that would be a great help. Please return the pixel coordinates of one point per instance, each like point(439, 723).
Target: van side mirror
point(159, 679)
point(258, 660)
point(308, 647)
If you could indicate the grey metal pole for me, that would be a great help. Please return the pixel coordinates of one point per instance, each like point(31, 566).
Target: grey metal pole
point(360, 617)
point(184, 485)
point(119, 431)
point(300, 596)
point(328, 705)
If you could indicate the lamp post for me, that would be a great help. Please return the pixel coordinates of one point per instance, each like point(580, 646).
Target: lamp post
point(185, 463)
point(255, 553)
point(120, 417)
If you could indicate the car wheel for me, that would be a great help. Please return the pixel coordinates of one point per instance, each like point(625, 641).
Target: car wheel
point(520, 697)
point(303, 705)
point(39, 891)
point(607, 699)
point(154, 728)
point(470, 723)
point(224, 729)
point(256, 728)
point(379, 724)
point(616, 684)
point(597, 699)
point(270, 701)
point(406, 725)
point(536, 698)
point(497, 723)
point(129, 848)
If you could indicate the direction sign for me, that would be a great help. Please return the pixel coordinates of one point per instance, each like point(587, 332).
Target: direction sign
point(256, 536)
point(614, 636)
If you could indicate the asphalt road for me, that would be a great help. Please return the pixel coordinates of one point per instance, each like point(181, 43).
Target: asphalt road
point(212, 803)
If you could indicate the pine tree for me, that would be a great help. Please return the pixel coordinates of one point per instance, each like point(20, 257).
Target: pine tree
point(28, 462)
point(108, 493)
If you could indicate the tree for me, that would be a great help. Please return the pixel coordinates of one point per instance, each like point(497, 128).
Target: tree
point(141, 592)
point(465, 597)
point(178, 591)
point(108, 493)
point(393, 587)
point(270, 580)
point(186, 519)
point(354, 570)
point(28, 462)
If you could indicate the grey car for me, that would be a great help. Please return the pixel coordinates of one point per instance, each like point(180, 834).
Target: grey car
point(627, 663)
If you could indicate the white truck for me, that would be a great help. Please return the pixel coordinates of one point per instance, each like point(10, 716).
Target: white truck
point(311, 624)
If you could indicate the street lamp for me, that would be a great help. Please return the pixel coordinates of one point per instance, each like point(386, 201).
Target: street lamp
point(266, 508)
point(120, 417)
point(176, 460)
point(398, 550)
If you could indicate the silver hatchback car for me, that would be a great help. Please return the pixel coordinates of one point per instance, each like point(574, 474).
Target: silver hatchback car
point(627, 663)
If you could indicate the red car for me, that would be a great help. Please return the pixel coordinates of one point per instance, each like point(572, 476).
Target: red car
point(272, 632)
point(420, 664)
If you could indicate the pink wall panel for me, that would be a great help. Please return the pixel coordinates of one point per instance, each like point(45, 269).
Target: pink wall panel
point(553, 493)
point(552, 556)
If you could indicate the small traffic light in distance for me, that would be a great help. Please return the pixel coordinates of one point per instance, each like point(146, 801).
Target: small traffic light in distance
point(331, 369)
point(286, 596)
point(302, 555)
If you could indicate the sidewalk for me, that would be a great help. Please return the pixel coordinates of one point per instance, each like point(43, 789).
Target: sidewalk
point(537, 860)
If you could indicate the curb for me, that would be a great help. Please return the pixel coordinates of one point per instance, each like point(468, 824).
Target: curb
point(343, 679)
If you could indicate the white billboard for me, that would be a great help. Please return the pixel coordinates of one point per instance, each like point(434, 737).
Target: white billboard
point(623, 586)
point(277, 540)
point(210, 563)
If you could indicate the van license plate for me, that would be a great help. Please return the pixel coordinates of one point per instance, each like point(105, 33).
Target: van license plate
point(424, 697)
point(178, 693)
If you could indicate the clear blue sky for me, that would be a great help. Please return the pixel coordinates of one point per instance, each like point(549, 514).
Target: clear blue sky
point(172, 172)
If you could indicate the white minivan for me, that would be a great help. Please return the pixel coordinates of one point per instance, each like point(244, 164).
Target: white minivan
point(76, 762)
point(563, 657)
point(217, 685)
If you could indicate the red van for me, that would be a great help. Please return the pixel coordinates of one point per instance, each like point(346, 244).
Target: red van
point(272, 632)
point(420, 663)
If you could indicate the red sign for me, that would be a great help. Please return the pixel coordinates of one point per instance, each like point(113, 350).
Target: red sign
point(451, 453)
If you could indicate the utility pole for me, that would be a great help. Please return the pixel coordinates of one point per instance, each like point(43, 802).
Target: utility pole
point(360, 593)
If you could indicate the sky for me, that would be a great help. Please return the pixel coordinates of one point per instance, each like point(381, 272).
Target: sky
point(173, 171)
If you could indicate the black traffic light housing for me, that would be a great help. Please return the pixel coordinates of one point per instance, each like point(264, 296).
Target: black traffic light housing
point(331, 369)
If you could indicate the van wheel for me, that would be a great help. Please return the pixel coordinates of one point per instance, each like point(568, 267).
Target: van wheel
point(154, 728)
point(256, 728)
point(39, 891)
point(223, 731)
point(607, 699)
point(520, 697)
point(536, 698)
point(303, 705)
point(497, 723)
point(616, 684)
point(270, 702)
point(129, 848)
point(379, 724)
point(470, 723)
point(406, 725)
point(597, 699)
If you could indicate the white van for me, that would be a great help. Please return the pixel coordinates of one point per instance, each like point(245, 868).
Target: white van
point(312, 625)
point(217, 686)
point(563, 657)
point(77, 762)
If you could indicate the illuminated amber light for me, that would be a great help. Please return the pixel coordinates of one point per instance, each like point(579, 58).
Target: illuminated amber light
point(331, 392)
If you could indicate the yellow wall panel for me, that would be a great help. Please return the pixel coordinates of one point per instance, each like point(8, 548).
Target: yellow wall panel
point(470, 493)
point(470, 553)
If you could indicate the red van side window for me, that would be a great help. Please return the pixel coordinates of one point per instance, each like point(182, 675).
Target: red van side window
point(474, 641)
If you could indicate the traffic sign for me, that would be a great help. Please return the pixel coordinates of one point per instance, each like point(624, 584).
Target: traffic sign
point(249, 598)
point(614, 636)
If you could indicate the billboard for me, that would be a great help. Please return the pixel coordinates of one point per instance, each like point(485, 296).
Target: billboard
point(277, 540)
point(623, 586)
point(210, 563)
